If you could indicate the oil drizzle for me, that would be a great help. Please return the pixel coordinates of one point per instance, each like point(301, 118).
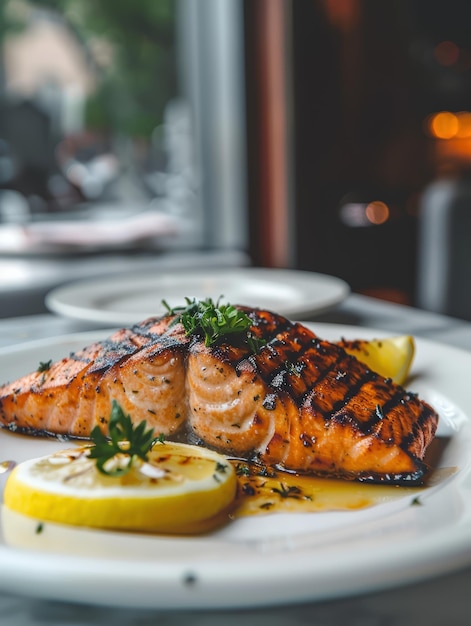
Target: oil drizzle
point(261, 491)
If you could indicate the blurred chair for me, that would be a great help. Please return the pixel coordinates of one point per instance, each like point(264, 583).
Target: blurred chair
point(444, 248)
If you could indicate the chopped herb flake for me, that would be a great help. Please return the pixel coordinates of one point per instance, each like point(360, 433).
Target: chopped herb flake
point(221, 467)
point(44, 366)
point(287, 492)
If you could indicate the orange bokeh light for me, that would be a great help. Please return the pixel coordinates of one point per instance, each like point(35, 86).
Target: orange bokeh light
point(464, 124)
point(447, 125)
point(377, 212)
point(444, 125)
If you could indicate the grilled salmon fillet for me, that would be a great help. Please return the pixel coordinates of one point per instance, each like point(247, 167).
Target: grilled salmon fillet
point(299, 403)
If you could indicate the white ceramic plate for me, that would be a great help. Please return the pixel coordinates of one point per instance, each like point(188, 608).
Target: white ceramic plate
point(129, 298)
point(259, 560)
point(90, 229)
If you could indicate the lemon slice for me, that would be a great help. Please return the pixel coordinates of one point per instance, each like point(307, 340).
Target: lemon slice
point(177, 490)
point(390, 357)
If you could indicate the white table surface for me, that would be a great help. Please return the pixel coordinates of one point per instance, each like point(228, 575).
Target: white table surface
point(443, 601)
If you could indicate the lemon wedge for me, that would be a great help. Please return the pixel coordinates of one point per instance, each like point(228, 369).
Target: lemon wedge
point(390, 357)
point(179, 489)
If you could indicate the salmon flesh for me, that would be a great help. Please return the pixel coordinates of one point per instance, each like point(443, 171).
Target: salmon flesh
point(300, 403)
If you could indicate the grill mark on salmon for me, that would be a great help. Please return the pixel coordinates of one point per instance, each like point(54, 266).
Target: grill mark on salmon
point(301, 403)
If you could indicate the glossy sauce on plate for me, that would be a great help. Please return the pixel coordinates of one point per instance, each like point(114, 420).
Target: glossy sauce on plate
point(262, 490)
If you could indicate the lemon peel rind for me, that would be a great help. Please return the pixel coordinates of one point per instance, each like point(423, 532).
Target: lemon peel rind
point(157, 516)
point(390, 357)
point(125, 507)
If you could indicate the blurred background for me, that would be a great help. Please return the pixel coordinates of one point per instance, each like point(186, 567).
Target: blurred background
point(324, 135)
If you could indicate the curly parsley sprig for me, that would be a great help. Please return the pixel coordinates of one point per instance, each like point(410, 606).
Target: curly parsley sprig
point(126, 441)
point(214, 321)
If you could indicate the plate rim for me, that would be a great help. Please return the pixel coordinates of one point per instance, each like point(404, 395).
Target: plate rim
point(58, 299)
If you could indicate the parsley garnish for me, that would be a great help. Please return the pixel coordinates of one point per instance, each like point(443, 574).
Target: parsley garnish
point(125, 440)
point(214, 321)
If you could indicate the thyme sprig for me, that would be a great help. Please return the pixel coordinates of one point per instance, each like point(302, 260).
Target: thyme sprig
point(126, 443)
point(214, 321)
